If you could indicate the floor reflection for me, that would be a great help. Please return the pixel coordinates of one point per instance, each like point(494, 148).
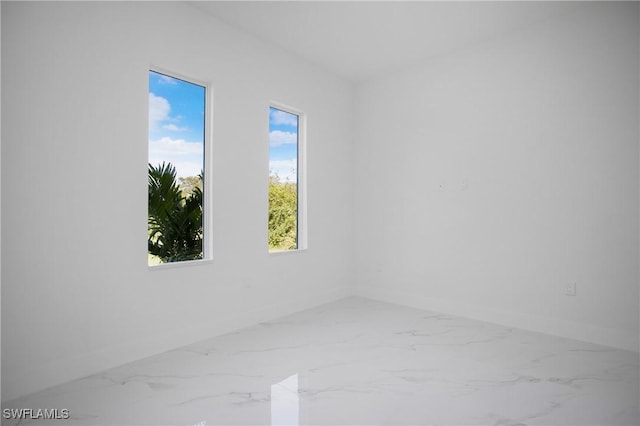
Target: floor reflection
point(285, 404)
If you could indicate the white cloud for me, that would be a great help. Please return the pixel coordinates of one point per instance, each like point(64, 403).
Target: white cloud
point(187, 157)
point(165, 79)
point(167, 145)
point(159, 109)
point(285, 169)
point(174, 128)
point(278, 137)
point(283, 117)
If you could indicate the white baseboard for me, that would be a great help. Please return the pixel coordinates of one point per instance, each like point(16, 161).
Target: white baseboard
point(572, 330)
point(71, 368)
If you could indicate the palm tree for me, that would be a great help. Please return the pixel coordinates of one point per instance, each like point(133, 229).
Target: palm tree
point(175, 221)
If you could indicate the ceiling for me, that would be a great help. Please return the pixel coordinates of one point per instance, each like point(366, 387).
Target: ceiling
point(358, 40)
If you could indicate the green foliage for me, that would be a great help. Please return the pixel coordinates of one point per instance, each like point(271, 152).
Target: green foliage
point(175, 216)
point(189, 184)
point(283, 214)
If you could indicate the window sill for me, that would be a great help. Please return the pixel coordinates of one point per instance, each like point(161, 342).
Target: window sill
point(184, 264)
point(283, 252)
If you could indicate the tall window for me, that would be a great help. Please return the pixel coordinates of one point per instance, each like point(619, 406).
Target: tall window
point(177, 120)
point(284, 180)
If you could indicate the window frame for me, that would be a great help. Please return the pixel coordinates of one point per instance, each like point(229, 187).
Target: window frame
point(301, 186)
point(207, 190)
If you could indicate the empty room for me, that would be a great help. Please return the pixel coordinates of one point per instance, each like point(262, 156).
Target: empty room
point(320, 213)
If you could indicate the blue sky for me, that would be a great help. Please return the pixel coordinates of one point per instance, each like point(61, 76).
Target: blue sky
point(283, 144)
point(176, 123)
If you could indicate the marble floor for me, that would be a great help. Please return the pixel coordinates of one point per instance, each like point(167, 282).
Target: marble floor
point(364, 362)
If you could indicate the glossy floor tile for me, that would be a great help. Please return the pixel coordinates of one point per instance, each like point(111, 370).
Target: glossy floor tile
point(359, 361)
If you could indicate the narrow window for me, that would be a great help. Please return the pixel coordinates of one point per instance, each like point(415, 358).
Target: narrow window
point(285, 186)
point(176, 169)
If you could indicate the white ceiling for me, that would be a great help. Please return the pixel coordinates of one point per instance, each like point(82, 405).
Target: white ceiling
point(357, 40)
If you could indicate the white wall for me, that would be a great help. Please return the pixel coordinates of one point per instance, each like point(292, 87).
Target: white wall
point(77, 296)
point(0, 201)
point(534, 138)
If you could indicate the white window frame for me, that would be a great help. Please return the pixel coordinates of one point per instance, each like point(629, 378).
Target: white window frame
point(207, 222)
point(302, 237)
